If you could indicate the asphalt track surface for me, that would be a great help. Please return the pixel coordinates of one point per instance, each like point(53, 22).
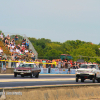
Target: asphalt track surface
point(8, 80)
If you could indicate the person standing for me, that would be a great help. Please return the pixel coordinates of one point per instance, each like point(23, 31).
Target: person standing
point(27, 45)
point(4, 66)
point(1, 36)
point(69, 66)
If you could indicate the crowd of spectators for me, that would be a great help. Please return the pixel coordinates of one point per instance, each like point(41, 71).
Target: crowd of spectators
point(20, 52)
point(58, 63)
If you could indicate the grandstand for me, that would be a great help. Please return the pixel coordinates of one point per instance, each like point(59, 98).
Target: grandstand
point(7, 51)
point(31, 47)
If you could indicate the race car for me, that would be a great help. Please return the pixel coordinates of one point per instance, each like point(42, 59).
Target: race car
point(27, 69)
point(88, 71)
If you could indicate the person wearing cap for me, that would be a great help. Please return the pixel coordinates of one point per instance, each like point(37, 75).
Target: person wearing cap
point(8, 37)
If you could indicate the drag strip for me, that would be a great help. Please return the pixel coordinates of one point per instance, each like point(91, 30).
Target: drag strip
point(39, 83)
point(11, 81)
point(41, 76)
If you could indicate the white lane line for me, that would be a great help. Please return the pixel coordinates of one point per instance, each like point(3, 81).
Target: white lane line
point(32, 80)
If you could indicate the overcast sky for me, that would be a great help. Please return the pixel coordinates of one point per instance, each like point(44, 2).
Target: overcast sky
point(58, 20)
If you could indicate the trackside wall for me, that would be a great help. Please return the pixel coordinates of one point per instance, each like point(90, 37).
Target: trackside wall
point(54, 93)
point(46, 71)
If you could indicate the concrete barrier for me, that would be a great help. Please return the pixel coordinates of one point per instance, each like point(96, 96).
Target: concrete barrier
point(60, 92)
point(45, 71)
point(8, 70)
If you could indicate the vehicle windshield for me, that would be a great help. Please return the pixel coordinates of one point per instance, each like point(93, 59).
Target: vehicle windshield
point(26, 65)
point(88, 66)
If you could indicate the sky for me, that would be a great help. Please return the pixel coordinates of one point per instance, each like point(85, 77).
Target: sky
point(57, 20)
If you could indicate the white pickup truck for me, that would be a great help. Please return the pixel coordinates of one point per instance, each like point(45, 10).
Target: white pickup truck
point(88, 71)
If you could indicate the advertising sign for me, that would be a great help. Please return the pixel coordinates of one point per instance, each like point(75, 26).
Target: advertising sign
point(72, 71)
point(57, 71)
point(60, 70)
point(44, 71)
point(54, 71)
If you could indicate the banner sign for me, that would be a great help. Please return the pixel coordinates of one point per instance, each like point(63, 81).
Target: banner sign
point(57, 71)
point(62, 71)
point(44, 71)
point(73, 71)
point(54, 71)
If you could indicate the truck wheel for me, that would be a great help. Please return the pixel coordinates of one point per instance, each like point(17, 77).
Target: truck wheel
point(82, 79)
point(76, 79)
point(22, 75)
point(93, 79)
point(15, 75)
point(37, 75)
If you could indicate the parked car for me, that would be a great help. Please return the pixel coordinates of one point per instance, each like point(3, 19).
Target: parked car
point(27, 69)
point(88, 71)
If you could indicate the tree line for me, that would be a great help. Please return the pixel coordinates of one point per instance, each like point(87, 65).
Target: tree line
point(76, 48)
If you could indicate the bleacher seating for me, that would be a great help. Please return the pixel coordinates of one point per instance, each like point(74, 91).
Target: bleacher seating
point(5, 50)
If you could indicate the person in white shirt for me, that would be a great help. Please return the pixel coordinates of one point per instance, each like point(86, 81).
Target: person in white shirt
point(1, 36)
point(11, 50)
point(26, 51)
point(1, 51)
point(17, 50)
point(13, 46)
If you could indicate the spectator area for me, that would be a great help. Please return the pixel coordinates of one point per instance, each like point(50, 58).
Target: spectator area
point(5, 50)
point(16, 49)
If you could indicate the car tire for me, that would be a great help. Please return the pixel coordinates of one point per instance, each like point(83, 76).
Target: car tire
point(15, 75)
point(98, 80)
point(93, 79)
point(82, 79)
point(22, 75)
point(37, 75)
point(76, 79)
point(31, 75)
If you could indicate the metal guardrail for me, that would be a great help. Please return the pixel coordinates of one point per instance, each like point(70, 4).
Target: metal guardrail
point(31, 47)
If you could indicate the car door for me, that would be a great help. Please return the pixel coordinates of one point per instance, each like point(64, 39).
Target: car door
point(35, 69)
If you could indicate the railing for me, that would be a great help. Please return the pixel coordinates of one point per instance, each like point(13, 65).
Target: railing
point(31, 47)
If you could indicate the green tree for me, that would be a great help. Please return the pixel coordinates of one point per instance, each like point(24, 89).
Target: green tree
point(53, 54)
